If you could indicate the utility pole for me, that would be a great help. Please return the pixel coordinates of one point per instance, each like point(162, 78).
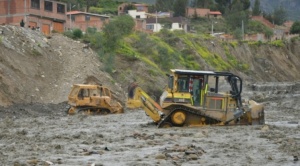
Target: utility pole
point(243, 29)
point(70, 15)
point(156, 22)
point(25, 11)
point(212, 28)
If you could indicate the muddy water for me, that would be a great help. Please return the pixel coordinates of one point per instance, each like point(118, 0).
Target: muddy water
point(44, 135)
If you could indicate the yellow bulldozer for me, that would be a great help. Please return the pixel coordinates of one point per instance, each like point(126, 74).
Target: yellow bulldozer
point(92, 99)
point(197, 98)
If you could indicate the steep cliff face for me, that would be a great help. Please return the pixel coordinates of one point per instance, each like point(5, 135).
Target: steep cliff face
point(265, 62)
point(36, 69)
point(270, 63)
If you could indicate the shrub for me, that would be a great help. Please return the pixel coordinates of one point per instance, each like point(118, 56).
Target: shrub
point(115, 30)
point(69, 34)
point(277, 43)
point(233, 44)
point(91, 30)
point(293, 40)
point(77, 34)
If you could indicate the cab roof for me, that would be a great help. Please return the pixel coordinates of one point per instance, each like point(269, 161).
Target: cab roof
point(87, 86)
point(200, 72)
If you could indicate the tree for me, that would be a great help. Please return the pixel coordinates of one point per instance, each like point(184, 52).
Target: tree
point(203, 3)
point(279, 15)
point(256, 9)
point(269, 33)
point(90, 3)
point(222, 5)
point(236, 15)
point(77, 34)
point(116, 29)
point(164, 5)
point(295, 28)
point(179, 7)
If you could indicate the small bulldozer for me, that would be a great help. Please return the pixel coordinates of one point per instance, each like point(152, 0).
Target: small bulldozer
point(92, 99)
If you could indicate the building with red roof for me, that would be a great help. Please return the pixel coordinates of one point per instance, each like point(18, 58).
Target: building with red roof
point(83, 20)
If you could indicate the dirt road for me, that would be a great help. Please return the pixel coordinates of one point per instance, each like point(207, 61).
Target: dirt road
point(42, 134)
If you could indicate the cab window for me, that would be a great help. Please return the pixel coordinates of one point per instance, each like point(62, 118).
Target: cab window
point(183, 84)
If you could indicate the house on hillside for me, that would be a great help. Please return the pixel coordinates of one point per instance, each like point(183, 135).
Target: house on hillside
point(172, 23)
point(124, 7)
point(214, 14)
point(43, 14)
point(201, 12)
point(139, 17)
point(83, 20)
point(137, 14)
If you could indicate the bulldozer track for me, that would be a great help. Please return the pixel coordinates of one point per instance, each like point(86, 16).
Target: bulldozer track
point(93, 110)
point(174, 108)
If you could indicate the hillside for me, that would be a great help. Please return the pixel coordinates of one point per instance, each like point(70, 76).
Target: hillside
point(35, 69)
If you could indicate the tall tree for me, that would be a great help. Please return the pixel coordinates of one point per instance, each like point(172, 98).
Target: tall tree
point(90, 3)
point(222, 5)
point(256, 9)
point(236, 17)
point(164, 5)
point(179, 7)
point(203, 3)
point(116, 29)
point(245, 3)
point(279, 15)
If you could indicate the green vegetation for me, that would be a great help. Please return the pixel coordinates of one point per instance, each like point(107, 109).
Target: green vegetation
point(0, 39)
point(295, 29)
point(74, 34)
point(255, 43)
point(294, 39)
point(103, 11)
point(277, 43)
point(234, 44)
point(115, 30)
point(256, 27)
point(173, 49)
point(256, 9)
point(77, 34)
point(278, 16)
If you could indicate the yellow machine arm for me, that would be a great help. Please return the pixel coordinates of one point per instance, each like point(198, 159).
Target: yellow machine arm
point(137, 98)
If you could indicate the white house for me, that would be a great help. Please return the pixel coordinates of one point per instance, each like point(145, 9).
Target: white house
point(172, 23)
point(137, 14)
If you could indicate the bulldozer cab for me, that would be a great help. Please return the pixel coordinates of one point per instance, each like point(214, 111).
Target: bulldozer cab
point(207, 89)
point(81, 94)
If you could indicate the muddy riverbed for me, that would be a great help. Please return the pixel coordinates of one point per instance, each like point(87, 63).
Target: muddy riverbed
point(42, 134)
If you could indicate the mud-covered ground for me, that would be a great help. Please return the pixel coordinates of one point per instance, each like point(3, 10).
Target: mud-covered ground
point(38, 134)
